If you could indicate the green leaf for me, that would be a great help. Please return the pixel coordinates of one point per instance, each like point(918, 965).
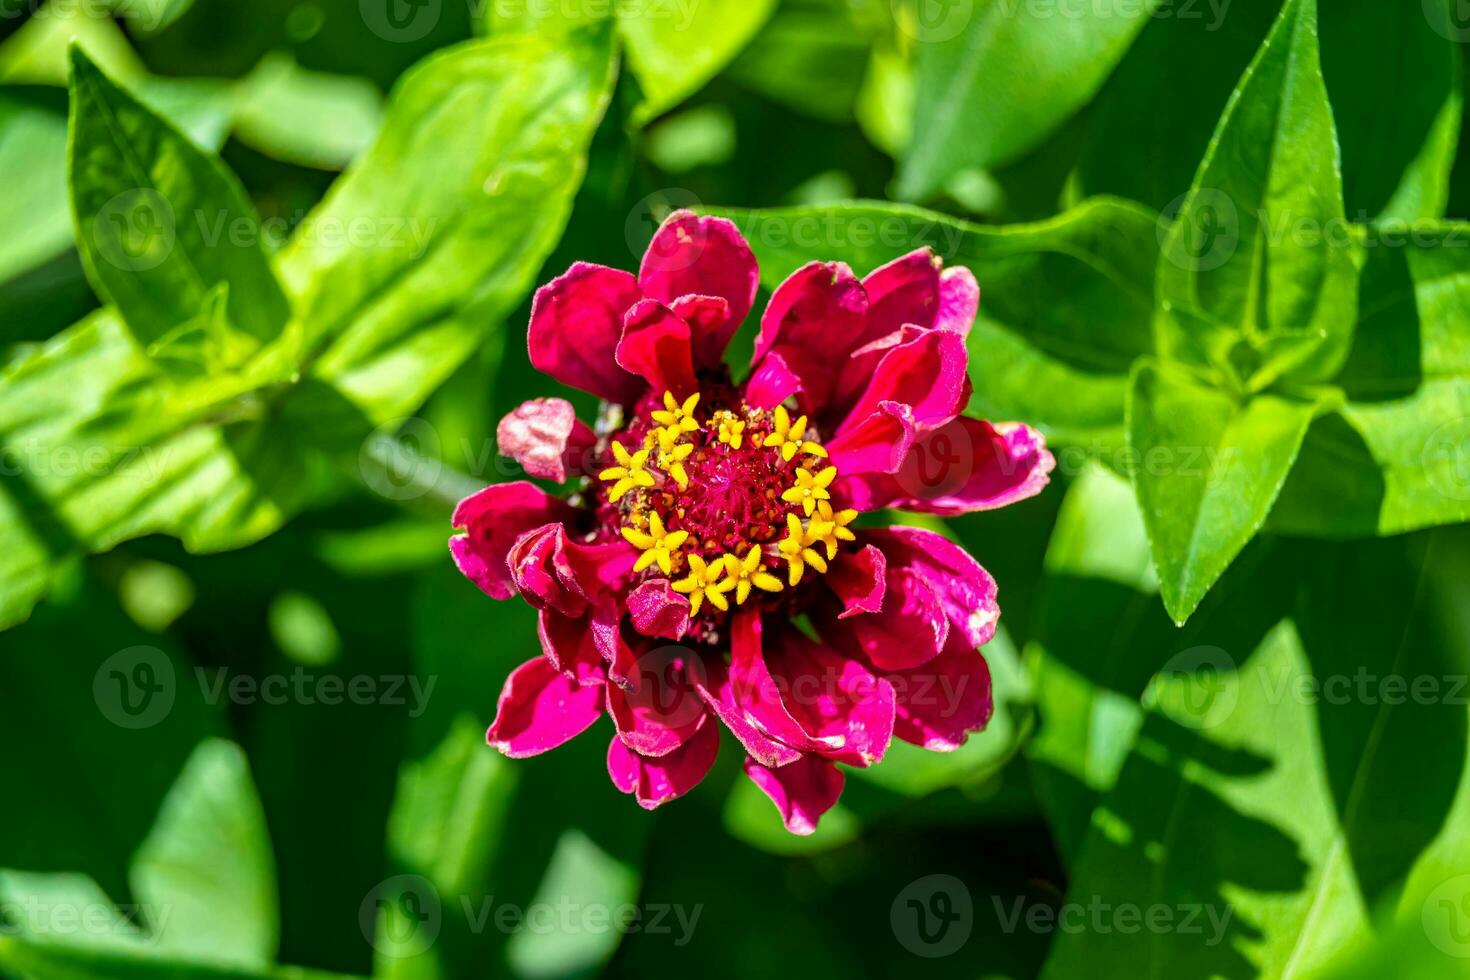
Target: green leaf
point(812, 57)
point(306, 117)
point(1257, 278)
point(161, 223)
point(994, 82)
point(1207, 468)
point(675, 50)
point(1278, 794)
point(1399, 125)
point(1394, 458)
point(1065, 303)
point(456, 206)
point(33, 172)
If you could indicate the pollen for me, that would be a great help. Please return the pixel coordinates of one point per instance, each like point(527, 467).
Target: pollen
point(786, 437)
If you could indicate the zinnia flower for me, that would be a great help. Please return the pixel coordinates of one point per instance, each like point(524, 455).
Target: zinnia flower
point(714, 564)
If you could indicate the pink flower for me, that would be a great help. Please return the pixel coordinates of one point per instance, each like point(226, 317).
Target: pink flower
point(709, 518)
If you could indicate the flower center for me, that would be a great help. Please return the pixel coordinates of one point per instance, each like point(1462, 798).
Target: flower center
point(728, 504)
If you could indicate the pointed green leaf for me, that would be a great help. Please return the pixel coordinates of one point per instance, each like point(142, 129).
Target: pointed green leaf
point(1257, 277)
point(1207, 469)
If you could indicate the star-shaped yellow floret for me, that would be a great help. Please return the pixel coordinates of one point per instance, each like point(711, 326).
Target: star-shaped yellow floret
point(676, 415)
point(786, 436)
point(704, 584)
point(747, 572)
point(810, 488)
point(834, 526)
point(796, 549)
point(656, 544)
point(629, 473)
point(671, 453)
point(732, 430)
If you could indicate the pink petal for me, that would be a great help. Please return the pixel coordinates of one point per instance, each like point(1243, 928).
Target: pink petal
point(710, 327)
point(967, 465)
point(905, 292)
point(691, 255)
point(493, 519)
point(760, 697)
point(802, 790)
point(909, 630)
point(665, 710)
point(656, 781)
point(964, 590)
point(550, 569)
point(858, 579)
point(711, 678)
point(876, 445)
point(657, 610)
point(942, 701)
point(835, 698)
point(813, 321)
point(570, 647)
point(540, 709)
point(771, 383)
point(925, 371)
point(576, 321)
point(656, 347)
point(959, 300)
point(545, 436)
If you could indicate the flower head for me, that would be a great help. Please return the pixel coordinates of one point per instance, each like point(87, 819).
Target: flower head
point(717, 514)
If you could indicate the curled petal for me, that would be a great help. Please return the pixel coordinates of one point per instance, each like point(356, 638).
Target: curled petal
point(762, 699)
point(926, 372)
point(959, 301)
point(545, 436)
point(570, 647)
point(802, 790)
point(858, 579)
point(493, 519)
point(540, 708)
point(878, 444)
point(711, 678)
point(552, 570)
point(665, 710)
point(691, 255)
point(657, 610)
point(909, 630)
point(656, 781)
point(964, 590)
point(813, 321)
point(771, 383)
point(942, 701)
point(656, 347)
point(835, 698)
point(576, 322)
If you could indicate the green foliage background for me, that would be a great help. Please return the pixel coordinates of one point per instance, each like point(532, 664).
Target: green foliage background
point(263, 291)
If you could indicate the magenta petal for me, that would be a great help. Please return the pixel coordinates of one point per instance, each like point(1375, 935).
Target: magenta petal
point(905, 292)
point(802, 790)
point(857, 578)
point(942, 701)
point(909, 630)
point(540, 708)
point(835, 698)
point(657, 610)
point(711, 678)
point(656, 347)
point(878, 444)
point(760, 697)
point(926, 372)
point(965, 466)
point(493, 519)
point(964, 590)
point(771, 383)
point(570, 647)
point(576, 321)
point(545, 436)
point(665, 710)
point(656, 781)
point(550, 569)
point(691, 255)
point(710, 327)
point(959, 300)
point(813, 321)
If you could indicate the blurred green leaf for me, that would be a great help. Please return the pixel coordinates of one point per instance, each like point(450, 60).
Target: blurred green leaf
point(811, 56)
point(993, 82)
point(1065, 303)
point(1257, 277)
point(1207, 468)
point(674, 50)
point(306, 117)
point(33, 172)
point(36, 54)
